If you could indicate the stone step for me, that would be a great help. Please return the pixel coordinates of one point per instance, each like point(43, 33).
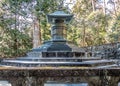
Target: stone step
point(102, 62)
point(58, 59)
point(50, 63)
point(107, 66)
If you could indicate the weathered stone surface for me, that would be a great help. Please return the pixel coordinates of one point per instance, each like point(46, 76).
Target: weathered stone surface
point(54, 72)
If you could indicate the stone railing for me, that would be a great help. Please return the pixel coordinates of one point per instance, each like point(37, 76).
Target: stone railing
point(106, 50)
point(59, 54)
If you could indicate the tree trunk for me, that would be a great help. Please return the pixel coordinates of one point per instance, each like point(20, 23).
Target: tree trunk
point(115, 10)
point(104, 7)
point(15, 39)
point(93, 5)
point(84, 33)
point(36, 35)
point(40, 32)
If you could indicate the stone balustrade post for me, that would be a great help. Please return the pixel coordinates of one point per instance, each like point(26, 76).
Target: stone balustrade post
point(40, 81)
point(114, 81)
point(17, 82)
point(93, 81)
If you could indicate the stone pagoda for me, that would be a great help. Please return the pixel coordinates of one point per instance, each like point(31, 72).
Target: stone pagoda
point(58, 19)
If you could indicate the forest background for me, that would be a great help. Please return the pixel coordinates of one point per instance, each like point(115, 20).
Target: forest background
point(23, 23)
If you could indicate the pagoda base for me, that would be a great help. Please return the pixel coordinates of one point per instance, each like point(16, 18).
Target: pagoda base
point(54, 45)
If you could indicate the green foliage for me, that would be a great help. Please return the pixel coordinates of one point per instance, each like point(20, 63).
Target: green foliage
point(8, 42)
point(115, 30)
point(17, 42)
point(13, 42)
point(96, 26)
point(43, 8)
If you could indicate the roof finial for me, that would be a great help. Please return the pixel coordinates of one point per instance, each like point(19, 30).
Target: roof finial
point(60, 6)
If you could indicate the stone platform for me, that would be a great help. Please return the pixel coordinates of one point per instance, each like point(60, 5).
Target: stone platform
point(56, 59)
point(36, 71)
point(68, 62)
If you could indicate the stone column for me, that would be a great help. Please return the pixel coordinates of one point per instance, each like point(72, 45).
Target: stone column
point(93, 81)
point(40, 81)
point(34, 81)
point(109, 81)
point(17, 81)
point(86, 54)
point(114, 81)
point(27, 81)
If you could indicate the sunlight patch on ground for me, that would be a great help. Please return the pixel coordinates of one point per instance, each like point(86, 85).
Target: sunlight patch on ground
point(5, 83)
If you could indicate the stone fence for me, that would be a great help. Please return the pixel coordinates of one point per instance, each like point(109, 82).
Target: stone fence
point(111, 50)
